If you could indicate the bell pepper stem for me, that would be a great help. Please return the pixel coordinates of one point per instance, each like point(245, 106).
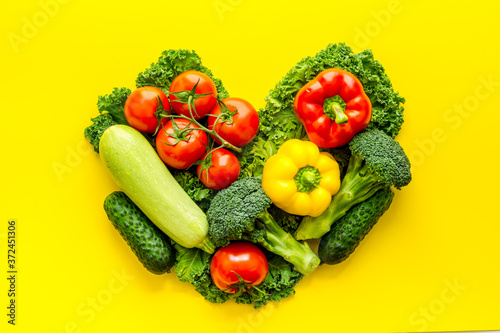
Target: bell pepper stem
point(334, 108)
point(340, 116)
point(307, 179)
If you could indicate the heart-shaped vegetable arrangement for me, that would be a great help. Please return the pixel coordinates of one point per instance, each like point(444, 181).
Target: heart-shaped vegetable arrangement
point(227, 195)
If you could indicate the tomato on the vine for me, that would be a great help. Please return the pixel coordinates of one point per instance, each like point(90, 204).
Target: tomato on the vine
point(182, 92)
point(180, 145)
point(241, 125)
point(140, 108)
point(239, 258)
point(219, 170)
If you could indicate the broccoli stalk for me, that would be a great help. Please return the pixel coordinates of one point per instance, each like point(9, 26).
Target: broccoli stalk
point(377, 161)
point(274, 239)
point(240, 212)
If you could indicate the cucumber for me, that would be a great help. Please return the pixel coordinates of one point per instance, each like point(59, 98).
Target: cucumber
point(139, 172)
point(346, 234)
point(150, 245)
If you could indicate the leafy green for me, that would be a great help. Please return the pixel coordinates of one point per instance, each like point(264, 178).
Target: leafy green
point(114, 104)
point(198, 192)
point(278, 121)
point(254, 155)
point(94, 131)
point(193, 266)
point(172, 63)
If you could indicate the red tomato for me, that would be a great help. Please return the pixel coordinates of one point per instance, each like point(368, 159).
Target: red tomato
point(244, 126)
point(186, 82)
point(140, 108)
point(183, 152)
point(224, 170)
point(244, 258)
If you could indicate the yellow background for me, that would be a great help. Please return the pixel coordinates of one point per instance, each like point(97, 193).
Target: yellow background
point(430, 264)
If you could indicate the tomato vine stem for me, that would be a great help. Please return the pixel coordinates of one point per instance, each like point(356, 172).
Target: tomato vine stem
point(161, 113)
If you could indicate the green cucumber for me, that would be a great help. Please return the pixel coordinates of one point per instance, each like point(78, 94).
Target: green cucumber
point(150, 245)
point(139, 172)
point(346, 234)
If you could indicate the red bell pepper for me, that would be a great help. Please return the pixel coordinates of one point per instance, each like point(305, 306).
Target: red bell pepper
point(333, 107)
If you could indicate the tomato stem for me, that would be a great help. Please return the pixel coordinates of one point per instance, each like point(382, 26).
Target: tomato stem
point(162, 113)
point(179, 134)
point(242, 286)
point(206, 163)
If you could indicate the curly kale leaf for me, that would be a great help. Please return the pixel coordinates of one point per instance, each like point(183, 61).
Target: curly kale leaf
point(254, 155)
point(94, 131)
point(193, 266)
point(192, 185)
point(114, 103)
point(111, 113)
point(172, 63)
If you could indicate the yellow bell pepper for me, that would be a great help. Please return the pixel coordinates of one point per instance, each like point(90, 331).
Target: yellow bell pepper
point(300, 179)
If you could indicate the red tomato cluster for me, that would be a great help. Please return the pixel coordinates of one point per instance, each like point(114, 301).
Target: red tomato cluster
point(180, 142)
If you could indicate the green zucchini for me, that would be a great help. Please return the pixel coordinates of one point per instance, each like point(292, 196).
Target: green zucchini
point(138, 171)
point(150, 245)
point(346, 234)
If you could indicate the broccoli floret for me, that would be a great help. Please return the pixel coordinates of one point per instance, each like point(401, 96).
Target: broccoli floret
point(240, 212)
point(376, 161)
point(94, 131)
